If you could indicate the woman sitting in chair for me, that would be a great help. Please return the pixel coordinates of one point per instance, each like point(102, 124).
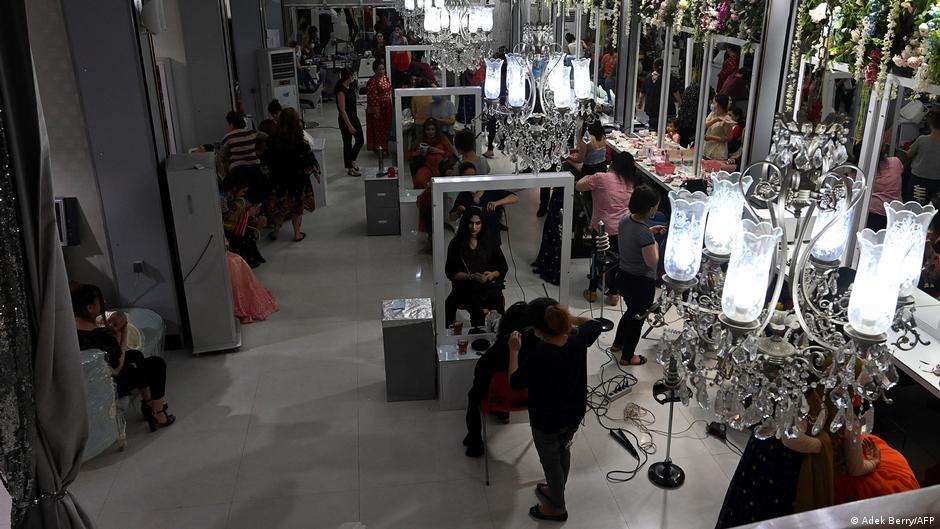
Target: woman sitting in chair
point(432, 148)
point(476, 269)
point(130, 368)
point(495, 360)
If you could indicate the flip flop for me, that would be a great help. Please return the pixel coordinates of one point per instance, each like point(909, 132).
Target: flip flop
point(302, 237)
point(537, 513)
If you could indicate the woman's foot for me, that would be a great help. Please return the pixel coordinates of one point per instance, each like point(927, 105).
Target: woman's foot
point(635, 360)
point(300, 237)
point(545, 511)
point(613, 300)
point(353, 171)
point(489, 154)
point(590, 296)
point(160, 419)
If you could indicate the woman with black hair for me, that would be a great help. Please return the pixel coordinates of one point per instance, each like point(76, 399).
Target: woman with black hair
point(592, 150)
point(610, 194)
point(495, 360)
point(349, 125)
point(292, 163)
point(555, 374)
point(131, 370)
point(718, 125)
point(476, 268)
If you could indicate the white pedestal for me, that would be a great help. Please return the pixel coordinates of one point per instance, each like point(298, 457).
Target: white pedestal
point(454, 376)
point(318, 146)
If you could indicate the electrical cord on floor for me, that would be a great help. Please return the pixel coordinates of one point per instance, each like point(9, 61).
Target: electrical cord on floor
point(512, 256)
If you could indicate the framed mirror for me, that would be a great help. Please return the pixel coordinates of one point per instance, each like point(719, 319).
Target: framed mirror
point(419, 149)
point(479, 246)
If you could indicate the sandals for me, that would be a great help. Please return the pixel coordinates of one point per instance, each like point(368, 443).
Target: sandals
point(536, 512)
point(625, 362)
point(302, 237)
point(155, 424)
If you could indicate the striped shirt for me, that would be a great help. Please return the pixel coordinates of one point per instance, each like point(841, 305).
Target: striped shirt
point(239, 144)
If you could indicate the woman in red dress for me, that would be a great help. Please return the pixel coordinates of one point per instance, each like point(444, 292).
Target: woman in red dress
point(378, 108)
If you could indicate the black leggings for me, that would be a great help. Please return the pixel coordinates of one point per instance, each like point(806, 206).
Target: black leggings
point(139, 372)
point(350, 151)
point(925, 189)
point(638, 293)
point(473, 297)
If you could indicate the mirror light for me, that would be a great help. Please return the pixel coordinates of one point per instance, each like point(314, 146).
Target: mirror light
point(724, 211)
point(582, 78)
point(410, 5)
point(907, 231)
point(745, 289)
point(831, 244)
point(494, 73)
point(686, 233)
point(515, 79)
point(877, 282)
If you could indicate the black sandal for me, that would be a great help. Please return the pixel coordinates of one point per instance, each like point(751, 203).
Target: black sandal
point(155, 424)
point(302, 237)
point(536, 512)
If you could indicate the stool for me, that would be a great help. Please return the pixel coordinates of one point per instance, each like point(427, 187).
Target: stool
point(500, 398)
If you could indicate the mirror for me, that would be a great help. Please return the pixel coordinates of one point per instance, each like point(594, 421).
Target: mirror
point(466, 288)
point(426, 121)
point(649, 80)
point(725, 136)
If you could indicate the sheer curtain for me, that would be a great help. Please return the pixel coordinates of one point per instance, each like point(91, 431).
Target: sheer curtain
point(43, 427)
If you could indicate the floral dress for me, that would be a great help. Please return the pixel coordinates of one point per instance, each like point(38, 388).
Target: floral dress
point(378, 113)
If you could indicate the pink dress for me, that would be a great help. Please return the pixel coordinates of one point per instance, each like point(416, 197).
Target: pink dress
point(252, 301)
point(611, 198)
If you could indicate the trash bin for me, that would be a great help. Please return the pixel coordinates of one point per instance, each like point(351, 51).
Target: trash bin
point(410, 356)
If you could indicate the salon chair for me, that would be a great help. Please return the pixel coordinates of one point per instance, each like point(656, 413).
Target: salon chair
point(500, 398)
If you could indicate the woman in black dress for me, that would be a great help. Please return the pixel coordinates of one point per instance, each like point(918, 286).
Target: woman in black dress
point(291, 163)
point(349, 125)
point(131, 369)
point(476, 268)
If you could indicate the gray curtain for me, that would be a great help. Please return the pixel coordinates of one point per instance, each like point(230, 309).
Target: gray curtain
point(47, 433)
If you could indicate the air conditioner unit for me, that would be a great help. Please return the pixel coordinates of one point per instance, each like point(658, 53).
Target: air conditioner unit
point(278, 77)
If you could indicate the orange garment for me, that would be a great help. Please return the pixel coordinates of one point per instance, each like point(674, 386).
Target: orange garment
point(892, 475)
point(432, 161)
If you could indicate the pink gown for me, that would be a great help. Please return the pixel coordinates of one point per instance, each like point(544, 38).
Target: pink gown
point(252, 301)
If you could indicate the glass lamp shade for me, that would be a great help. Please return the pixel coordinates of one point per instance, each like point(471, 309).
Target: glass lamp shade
point(494, 78)
point(875, 290)
point(831, 244)
point(515, 79)
point(432, 19)
point(456, 19)
point(724, 211)
point(558, 81)
point(907, 231)
point(419, 4)
point(473, 19)
point(410, 5)
point(582, 78)
point(745, 289)
point(437, 3)
point(486, 19)
point(686, 232)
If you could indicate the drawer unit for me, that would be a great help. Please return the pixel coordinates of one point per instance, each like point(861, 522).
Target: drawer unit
point(383, 221)
point(381, 193)
point(382, 205)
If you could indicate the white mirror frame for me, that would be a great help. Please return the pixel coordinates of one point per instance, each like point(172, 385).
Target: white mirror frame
point(455, 91)
point(517, 182)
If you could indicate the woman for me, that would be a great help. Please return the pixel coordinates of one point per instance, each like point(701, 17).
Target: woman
point(131, 370)
point(424, 202)
point(489, 203)
point(476, 269)
point(378, 48)
point(495, 360)
point(923, 157)
point(592, 151)
point(251, 300)
point(349, 125)
point(886, 187)
point(639, 259)
point(378, 108)
point(718, 126)
point(291, 163)
point(610, 193)
point(555, 375)
point(427, 155)
point(867, 467)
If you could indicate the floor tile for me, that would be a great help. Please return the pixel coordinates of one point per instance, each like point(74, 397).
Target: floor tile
point(319, 511)
point(452, 504)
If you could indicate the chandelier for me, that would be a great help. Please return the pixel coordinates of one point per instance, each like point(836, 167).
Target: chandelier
point(762, 354)
point(538, 115)
point(460, 31)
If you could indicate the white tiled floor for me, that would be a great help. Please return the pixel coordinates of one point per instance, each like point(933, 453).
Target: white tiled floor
point(293, 431)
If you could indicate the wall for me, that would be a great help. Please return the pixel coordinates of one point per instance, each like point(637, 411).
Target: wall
point(73, 172)
point(207, 69)
point(247, 39)
point(105, 49)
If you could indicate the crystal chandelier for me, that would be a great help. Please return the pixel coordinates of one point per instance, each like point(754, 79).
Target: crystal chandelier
point(740, 337)
point(460, 31)
point(540, 110)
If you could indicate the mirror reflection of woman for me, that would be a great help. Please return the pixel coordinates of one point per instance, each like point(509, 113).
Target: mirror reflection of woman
point(378, 108)
point(476, 269)
point(432, 148)
point(718, 125)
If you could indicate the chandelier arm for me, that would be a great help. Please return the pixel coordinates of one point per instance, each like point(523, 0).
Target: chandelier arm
point(749, 193)
point(776, 210)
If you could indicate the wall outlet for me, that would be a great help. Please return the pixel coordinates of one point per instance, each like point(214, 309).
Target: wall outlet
point(138, 267)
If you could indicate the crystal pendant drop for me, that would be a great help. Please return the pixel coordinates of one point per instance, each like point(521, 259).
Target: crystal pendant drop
point(736, 415)
point(739, 355)
point(868, 421)
point(794, 427)
point(685, 394)
point(804, 405)
point(820, 421)
point(891, 377)
point(752, 415)
point(838, 397)
point(767, 429)
point(837, 421)
point(701, 394)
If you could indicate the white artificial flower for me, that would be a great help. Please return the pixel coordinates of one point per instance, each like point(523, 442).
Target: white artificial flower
point(856, 35)
point(818, 13)
point(924, 29)
point(683, 4)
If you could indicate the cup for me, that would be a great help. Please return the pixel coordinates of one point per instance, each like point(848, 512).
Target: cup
point(392, 171)
point(457, 328)
point(462, 346)
point(423, 147)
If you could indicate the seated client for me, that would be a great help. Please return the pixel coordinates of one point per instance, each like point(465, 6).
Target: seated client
point(476, 269)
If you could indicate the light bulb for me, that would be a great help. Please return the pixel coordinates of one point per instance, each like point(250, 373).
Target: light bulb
point(683, 255)
point(494, 73)
point(582, 78)
point(745, 288)
point(516, 67)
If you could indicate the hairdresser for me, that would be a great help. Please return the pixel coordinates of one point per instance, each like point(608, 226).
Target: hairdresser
point(556, 377)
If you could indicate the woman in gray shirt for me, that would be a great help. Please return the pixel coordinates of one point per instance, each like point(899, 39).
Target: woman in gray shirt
point(924, 159)
point(639, 259)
